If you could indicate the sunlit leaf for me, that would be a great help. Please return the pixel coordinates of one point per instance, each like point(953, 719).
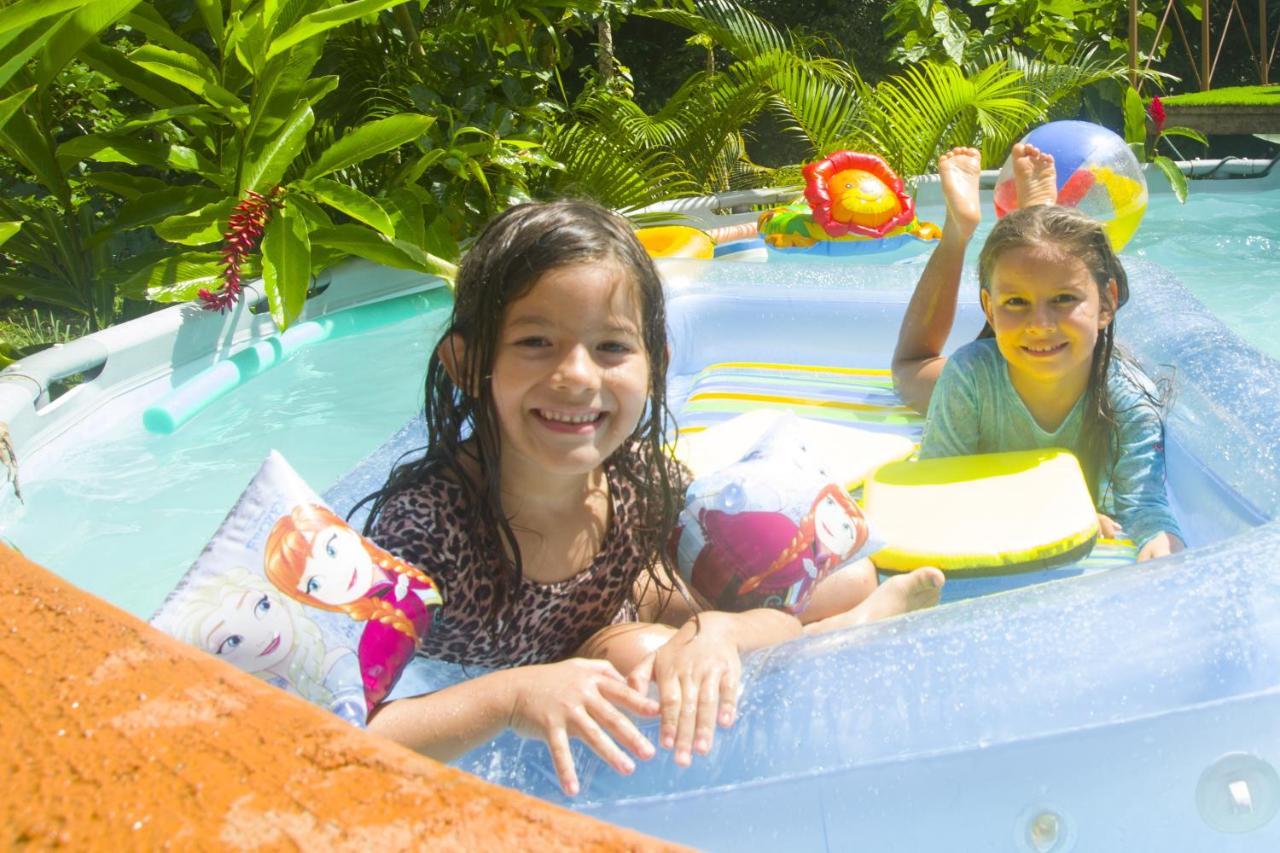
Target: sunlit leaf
point(273, 160)
point(326, 19)
point(286, 265)
point(365, 141)
point(353, 203)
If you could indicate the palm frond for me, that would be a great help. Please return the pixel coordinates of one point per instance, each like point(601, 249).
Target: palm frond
point(931, 107)
point(730, 25)
point(612, 170)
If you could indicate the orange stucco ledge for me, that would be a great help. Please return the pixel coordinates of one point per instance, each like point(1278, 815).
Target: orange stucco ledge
point(116, 736)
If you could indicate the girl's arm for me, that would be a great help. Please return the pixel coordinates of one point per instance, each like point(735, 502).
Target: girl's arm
point(918, 360)
point(578, 698)
point(1138, 485)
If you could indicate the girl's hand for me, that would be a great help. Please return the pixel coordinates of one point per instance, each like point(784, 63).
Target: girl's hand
point(1107, 527)
point(1161, 545)
point(697, 673)
point(580, 698)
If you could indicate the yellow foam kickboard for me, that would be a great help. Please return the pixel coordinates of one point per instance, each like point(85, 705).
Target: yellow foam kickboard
point(986, 514)
point(847, 453)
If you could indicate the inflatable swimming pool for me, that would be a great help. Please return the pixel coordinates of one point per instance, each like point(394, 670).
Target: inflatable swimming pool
point(1123, 710)
point(1137, 708)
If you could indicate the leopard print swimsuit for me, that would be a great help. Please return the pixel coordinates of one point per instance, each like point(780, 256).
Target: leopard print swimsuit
point(423, 524)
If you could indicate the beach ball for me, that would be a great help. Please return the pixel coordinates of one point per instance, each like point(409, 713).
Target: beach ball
point(1097, 174)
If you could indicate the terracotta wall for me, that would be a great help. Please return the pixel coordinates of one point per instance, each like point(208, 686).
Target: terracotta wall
point(116, 736)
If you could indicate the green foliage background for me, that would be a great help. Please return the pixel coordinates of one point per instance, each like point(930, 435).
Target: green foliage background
point(131, 129)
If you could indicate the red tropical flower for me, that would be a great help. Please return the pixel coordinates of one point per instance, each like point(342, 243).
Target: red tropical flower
point(244, 229)
point(1156, 110)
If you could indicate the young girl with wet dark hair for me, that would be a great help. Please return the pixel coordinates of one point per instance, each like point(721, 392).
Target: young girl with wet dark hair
point(1045, 371)
point(544, 500)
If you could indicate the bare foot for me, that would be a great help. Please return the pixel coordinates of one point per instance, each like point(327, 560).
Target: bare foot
point(960, 169)
point(1034, 176)
point(899, 594)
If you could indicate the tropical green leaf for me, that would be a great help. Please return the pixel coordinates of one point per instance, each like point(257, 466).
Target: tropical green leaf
point(125, 185)
point(176, 278)
point(273, 160)
point(162, 204)
point(326, 19)
point(8, 229)
point(199, 227)
point(211, 14)
point(39, 290)
point(279, 85)
point(247, 39)
point(20, 138)
point(199, 112)
point(931, 107)
point(286, 265)
point(1135, 117)
point(153, 25)
point(75, 31)
point(25, 12)
point(151, 87)
point(13, 103)
point(352, 202)
point(192, 75)
point(737, 29)
point(112, 148)
point(1187, 132)
point(365, 243)
point(1176, 179)
point(28, 46)
point(365, 141)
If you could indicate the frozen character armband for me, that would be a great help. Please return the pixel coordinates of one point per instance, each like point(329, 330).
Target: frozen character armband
point(288, 591)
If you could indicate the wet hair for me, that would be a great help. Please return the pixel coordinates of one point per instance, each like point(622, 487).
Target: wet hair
point(1075, 235)
point(516, 249)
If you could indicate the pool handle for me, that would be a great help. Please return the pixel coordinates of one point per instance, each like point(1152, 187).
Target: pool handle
point(188, 399)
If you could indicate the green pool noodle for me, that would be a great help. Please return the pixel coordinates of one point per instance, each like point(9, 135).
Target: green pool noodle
point(191, 397)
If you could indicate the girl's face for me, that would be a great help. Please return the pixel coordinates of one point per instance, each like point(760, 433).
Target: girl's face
point(571, 375)
point(832, 526)
point(1046, 312)
point(250, 630)
point(339, 569)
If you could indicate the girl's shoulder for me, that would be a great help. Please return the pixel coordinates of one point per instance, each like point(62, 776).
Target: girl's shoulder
point(980, 352)
point(978, 363)
point(433, 498)
point(1130, 388)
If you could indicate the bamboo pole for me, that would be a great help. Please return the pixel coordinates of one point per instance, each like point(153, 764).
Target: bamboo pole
point(1204, 47)
point(1133, 43)
point(1264, 60)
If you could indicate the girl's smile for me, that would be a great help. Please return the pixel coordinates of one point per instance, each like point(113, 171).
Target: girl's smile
point(571, 374)
point(1046, 311)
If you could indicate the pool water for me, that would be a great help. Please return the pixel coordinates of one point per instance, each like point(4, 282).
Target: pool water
point(123, 513)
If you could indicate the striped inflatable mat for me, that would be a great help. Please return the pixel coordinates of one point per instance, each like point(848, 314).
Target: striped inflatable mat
point(845, 395)
point(861, 397)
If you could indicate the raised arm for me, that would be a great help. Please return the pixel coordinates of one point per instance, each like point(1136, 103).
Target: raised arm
point(918, 359)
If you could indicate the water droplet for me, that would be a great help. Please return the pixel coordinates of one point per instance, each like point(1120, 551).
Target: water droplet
point(1043, 832)
point(1238, 793)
